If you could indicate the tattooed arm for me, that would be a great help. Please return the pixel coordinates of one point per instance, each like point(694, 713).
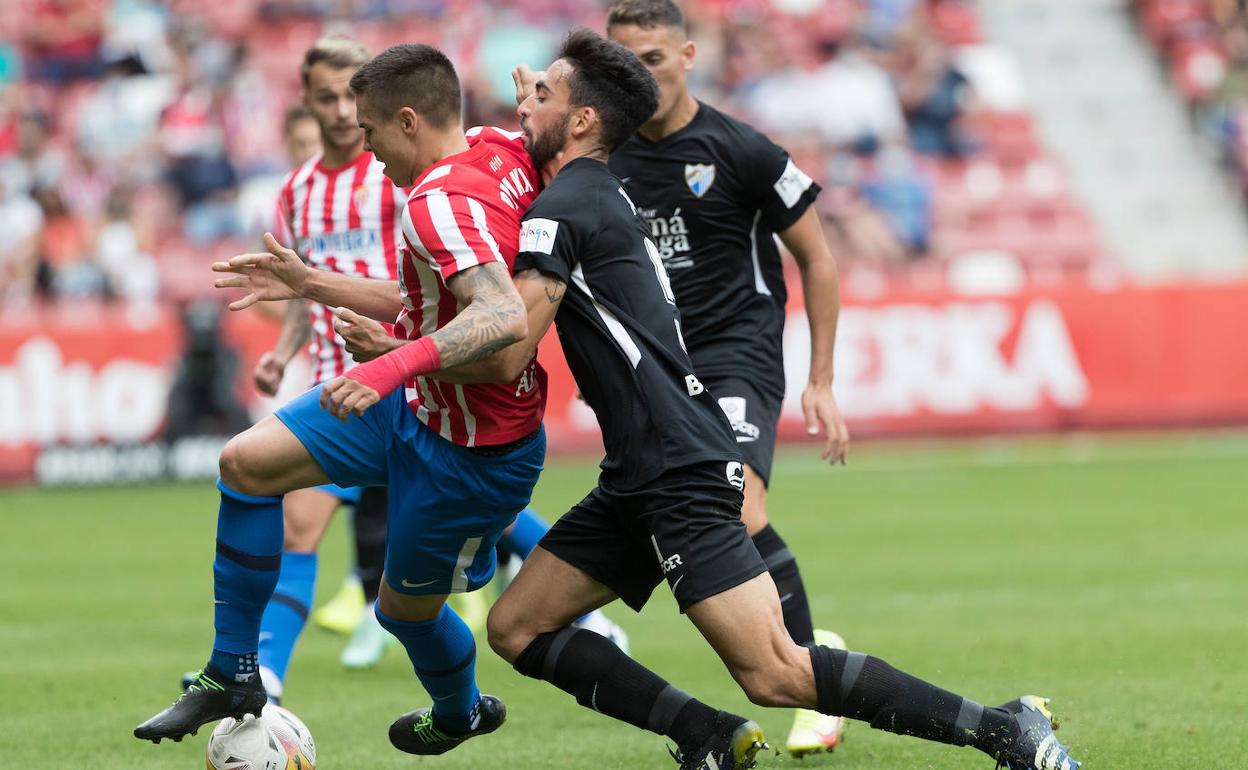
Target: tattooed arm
point(542, 295)
point(492, 318)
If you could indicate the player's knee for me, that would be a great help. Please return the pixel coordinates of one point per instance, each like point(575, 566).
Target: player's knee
point(767, 689)
point(761, 690)
point(299, 537)
point(234, 464)
point(779, 680)
point(508, 636)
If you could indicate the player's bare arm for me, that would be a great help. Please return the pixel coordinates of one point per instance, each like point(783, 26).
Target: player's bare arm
point(542, 295)
point(822, 292)
point(296, 328)
point(278, 273)
point(493, 318)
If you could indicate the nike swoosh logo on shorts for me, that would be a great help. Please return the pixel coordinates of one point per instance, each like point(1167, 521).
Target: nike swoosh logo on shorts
point(406, 584)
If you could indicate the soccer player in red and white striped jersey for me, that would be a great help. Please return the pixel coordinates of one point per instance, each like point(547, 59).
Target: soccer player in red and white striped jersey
point(459, 464)
point(463, 212)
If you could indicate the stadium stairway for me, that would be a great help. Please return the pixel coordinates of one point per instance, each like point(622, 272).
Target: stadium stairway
point(1104, 106)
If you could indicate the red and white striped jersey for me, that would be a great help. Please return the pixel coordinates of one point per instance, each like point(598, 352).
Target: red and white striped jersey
point(465, 211)
point(347, 220)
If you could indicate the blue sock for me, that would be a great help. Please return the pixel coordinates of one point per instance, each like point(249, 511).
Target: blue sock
point(444, 656)
point(287, 611)
point(249, 555)
point(525, 533)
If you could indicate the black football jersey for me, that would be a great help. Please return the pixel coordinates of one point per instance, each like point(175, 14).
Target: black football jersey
point(620, 331)
point(713, 195)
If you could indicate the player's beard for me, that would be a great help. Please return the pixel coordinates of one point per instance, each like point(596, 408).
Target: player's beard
point(545, 146)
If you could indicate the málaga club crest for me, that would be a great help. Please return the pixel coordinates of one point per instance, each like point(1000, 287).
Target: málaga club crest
point(699, 177)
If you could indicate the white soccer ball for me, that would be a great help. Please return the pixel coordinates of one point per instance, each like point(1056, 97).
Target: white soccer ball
point(278, 740)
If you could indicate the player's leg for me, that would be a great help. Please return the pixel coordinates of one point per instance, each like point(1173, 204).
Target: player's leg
point(301, 446)
point(774, 671)
point(257, 468)
point(719, 579)
point(449, 506)
point(529, 627)
point(811, 731)
point(521, 537)
point(368, 640)
point(306, 515)
point(368, 526)
point(753, 413)
point(779, 559)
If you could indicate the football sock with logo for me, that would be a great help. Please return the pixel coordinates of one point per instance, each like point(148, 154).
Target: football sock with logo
point(245, 571)
point(783, 568)
point(864, 687)
point(595, 672)
point(444, 655)
point(287, 612)
point(524, 534)
point(368, 521)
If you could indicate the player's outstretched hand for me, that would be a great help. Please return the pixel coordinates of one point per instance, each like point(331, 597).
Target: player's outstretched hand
point(820, 410)
point(268, 374)
point(526, 82)
point(366, 339)
point(276, 274)
point(343, 396)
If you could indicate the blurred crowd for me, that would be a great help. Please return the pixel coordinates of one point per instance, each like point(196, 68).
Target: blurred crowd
point(1204, 46)
point(139, 139)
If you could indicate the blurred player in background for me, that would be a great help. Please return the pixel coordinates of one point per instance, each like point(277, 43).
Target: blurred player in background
point(714, 191)
point(668, 502)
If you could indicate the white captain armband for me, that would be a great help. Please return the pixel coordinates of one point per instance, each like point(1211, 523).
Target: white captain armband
point(791, 184)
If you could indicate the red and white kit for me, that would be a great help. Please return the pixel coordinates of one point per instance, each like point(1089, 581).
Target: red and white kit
point(346, 220)
point(465, 211)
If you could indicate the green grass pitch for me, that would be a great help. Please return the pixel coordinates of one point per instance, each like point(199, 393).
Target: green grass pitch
point(1109, 573)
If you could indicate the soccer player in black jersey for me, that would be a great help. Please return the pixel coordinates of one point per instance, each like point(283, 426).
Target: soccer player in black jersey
point(668, 501)
point(714, 191)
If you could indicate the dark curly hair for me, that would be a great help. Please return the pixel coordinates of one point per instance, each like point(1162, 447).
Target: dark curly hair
point(609, 78)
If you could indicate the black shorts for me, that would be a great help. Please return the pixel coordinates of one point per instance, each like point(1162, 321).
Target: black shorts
point(684, 526)
point(753, 412)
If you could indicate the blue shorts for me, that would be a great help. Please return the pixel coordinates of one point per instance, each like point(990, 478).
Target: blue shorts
point(448, 505)
point(348, 495)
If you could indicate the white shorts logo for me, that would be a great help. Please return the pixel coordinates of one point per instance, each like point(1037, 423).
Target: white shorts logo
point(735, 472)
point(735, 410)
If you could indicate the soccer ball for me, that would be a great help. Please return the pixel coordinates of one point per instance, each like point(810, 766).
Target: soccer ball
point(278, 740)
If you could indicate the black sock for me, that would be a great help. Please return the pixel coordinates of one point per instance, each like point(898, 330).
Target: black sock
point(783, 568)
point(601, 677)
point(369, 525)
point(864, 687)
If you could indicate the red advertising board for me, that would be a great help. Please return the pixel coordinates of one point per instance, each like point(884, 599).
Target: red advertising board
point(907, 363)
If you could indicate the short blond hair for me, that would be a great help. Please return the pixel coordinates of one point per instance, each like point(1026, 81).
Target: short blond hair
point(338, 51)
